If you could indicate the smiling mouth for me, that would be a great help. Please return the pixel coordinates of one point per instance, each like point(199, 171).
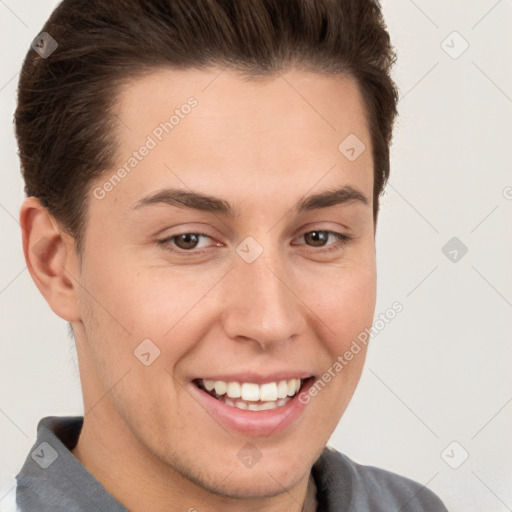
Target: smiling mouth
point(250, 396)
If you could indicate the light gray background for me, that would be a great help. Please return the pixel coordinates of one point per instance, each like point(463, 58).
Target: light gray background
point(440, 371)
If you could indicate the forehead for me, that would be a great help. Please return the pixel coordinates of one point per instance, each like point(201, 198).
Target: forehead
point(281, 134)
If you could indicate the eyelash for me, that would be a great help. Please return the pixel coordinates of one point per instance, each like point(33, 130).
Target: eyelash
point(341, 238)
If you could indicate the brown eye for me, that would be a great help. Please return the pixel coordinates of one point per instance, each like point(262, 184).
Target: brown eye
point(320, 239)
point(317, 238)
point(187, 240)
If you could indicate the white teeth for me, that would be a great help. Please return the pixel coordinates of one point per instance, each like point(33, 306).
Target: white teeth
point(250, 392)
point(268, 392)
point(209, 384)
point(271, 392)
point(282, 389)
point(262, 407)
point(254, 406)
point(233, 390)
point(267, 406)
point(220, 387)
point(293, 386)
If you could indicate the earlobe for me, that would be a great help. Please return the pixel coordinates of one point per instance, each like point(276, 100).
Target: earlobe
point(50, 258)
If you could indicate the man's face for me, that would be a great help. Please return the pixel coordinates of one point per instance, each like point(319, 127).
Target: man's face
point(264, 295)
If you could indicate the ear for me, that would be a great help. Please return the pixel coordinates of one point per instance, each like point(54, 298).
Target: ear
point(51, 259)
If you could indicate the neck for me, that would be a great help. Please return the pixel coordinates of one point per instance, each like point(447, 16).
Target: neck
point(310, 503)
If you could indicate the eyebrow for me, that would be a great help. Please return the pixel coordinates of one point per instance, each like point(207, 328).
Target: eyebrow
point(203, 202)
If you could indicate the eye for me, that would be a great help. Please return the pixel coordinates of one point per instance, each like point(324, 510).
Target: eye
point(185, 242)
point(190, 242)
point(319, 238)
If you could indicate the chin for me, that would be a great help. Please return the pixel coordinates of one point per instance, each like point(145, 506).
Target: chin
point(261, 485)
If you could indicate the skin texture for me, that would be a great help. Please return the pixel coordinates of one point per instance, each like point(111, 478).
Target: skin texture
point(261, 145)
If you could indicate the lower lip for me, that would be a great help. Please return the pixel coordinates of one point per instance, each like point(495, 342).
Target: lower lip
point(255, 423)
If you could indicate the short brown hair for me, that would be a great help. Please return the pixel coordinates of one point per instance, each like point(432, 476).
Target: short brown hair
point(64, 119)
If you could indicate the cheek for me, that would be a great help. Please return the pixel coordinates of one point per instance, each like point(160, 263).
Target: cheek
point(129, 311)
point(348, 316)
point(125, 319)
point(345, 308)
point(142, 300)
point(343, 298)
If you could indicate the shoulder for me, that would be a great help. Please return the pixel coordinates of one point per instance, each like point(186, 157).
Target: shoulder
point(53, 479)
point(342, 482)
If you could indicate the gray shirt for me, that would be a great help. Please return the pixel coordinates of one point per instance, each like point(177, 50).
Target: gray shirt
point(53, 479)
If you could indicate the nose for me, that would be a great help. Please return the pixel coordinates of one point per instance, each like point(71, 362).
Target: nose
point(261, 304)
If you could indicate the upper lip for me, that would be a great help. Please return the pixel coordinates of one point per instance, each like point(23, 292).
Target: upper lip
point(258, 378)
